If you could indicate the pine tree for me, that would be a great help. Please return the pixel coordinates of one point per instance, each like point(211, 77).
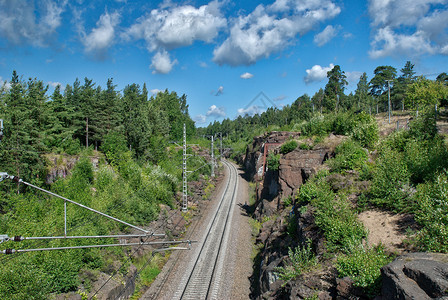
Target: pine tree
point(334, 89)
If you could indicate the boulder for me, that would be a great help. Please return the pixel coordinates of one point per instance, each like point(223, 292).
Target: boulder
point(416, 276)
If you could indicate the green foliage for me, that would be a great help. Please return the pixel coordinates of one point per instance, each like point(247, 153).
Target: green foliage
point(288, 146)
point(363, 266)
point(391, 181)
point(302, 259)
point(333, 214)
point(349, 156)
point(432, 214)
point(114, 145)
point(318, 125)
point(273, 161)
point(365, 130)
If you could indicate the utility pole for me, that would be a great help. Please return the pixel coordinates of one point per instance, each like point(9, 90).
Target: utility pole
point(184, 174)
point(213, 160)
point(388, 86)
point(1, 130)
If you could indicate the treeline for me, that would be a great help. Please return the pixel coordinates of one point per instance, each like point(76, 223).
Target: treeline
point(407, 91)
point(138, 177)
point(85, 115)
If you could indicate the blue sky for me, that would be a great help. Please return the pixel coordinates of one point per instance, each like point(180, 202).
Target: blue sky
point(221, 54)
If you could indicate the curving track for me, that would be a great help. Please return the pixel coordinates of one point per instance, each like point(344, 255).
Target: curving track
point(203, 276)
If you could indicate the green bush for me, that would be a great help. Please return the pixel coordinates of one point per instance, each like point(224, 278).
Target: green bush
point(288, 147)
point(365, 130)
point(432, 215)
point(318, 125)
point(302, 259)
point(363, 266)
point(349, 156)
point(273, 161)
point(333, 213)
point(391, 181)
point(114, 145)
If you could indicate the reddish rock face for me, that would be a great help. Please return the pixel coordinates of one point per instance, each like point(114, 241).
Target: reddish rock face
point(297, 166)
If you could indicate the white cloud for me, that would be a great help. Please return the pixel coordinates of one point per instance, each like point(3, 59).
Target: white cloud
point(220, 91)
point(251, 110)
point(178, 26)
point(200, 119)
point(214, 111)
point(408, 27)
point(326, 35)
point(162, 63)
point(102, 36)
point(172, 26)
point(203, 64)
point(389, 43)
point(246, 75)
point(270, 29)
point(317, 73)
point(155, 91)
point(22, 22)
point(55, 84)
point(4, 84)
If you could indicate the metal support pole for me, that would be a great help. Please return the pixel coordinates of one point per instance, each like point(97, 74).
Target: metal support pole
point(184, 174)
point(65, 218)
point(220, 149)
point(1, 129)
point(388, 97)
point(213, 160)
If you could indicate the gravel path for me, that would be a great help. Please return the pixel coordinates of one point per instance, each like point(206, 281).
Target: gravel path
point(238, 264)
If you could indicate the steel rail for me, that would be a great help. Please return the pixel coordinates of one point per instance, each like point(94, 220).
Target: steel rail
point(212, 250)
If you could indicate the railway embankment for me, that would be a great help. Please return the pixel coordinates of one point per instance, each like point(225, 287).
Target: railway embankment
point(301, 231)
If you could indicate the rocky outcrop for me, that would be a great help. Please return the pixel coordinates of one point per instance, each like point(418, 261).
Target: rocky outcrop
point(297, 166)
point(60, 166)
point(416, 276)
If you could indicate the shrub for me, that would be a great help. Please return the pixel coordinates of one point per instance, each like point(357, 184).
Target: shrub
point(432, 214)
point(390, 185)
point(349, 156)
point(302, 259)
point(273, 161)
point(365, 130)
point(288, 147)
point(363, 266)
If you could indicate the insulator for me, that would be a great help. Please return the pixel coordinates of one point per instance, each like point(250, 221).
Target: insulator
point(18, 238)
point(9, 251)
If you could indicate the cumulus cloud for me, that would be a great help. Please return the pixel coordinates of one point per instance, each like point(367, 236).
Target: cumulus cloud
point(317, 73)
point(408, 27)
point(172, 26)
point(178, 26)
point(102, 36)
point(251, 110)
point(200, 119)
point(269, 29)
point(326, 35)
point(246, 75)
point(162, 63)
point(22, 22)
point(214, 111)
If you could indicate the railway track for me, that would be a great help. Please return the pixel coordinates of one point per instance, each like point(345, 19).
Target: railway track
point(203, 276)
